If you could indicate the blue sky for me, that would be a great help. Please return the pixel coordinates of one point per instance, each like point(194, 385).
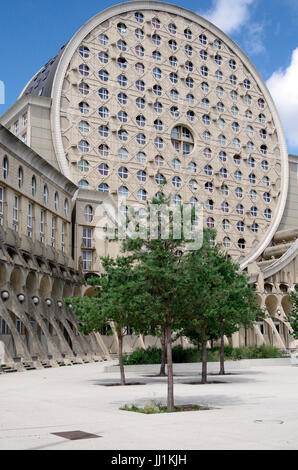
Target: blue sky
point(31, 32)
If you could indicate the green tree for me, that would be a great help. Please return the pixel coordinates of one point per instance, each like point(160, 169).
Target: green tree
point(203, 275)
point(222, 299)
point(165, 283)
point(160, 263)
point(119, 300)
point(237, 306)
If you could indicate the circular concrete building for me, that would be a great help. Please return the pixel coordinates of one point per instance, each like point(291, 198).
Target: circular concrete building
point(146, 98)
point(148, 92)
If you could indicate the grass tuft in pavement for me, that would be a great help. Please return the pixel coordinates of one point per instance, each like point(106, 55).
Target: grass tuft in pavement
point(155, 408)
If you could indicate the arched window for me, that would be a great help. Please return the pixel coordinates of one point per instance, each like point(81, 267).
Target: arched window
point(177, 199)
point(88, 213)
point(56, 201)
point(83, 166)
point(83, 146)
point(210, 222)
point(123, 172)
point(142, 195)
point(182, 139)
point(84, 107)
point(156, 39)
point(104, 169)
point(123, 191)
point(83, 184)
point(33, 186)
point(66, 207)
point(5, 168)
point(123, 154)
point(121, 45)
point(241, 243)
point(227, 242)
point(104, 188)
point(20, 177)
point(139, 17)
point(45, 194)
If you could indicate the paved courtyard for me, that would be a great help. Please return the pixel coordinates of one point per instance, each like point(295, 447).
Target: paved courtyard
point(253, 408)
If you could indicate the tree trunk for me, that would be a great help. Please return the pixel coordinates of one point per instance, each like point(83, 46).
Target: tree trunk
point(120, 356)
point(163, 356)
point(245, 336)
point(222, 355)
point(170, 360)
point(204, 356)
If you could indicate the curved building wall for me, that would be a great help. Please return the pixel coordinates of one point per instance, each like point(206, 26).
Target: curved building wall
point(37, 271)
point(148, 93)
point(290, 215)
point(141, 94)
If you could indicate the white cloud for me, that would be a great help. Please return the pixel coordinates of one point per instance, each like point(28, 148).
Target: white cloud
point(254, 39)
point(229, 15)
point(283, 87)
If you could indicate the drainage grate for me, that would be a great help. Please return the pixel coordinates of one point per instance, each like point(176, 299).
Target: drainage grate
point(76, 435)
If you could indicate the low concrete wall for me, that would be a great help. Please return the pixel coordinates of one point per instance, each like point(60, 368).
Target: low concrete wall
point(212, 366)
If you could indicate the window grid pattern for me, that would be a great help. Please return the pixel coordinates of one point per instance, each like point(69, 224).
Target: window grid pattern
point(200, 103)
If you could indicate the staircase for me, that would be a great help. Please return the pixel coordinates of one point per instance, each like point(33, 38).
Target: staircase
point(24, 366)
point(75, 362)
point(29, 366)
point(5, 369)
point(46, 365)
point(61, 363)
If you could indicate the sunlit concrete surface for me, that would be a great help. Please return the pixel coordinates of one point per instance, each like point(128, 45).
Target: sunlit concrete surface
point(255, 409)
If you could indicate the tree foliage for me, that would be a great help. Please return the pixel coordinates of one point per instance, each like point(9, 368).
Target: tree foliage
point(160, 264)
point(293, 315)
point(222, 299)
point(120, 300)
point(159, 287)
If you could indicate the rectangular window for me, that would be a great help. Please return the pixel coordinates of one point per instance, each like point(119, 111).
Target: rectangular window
point(87, 260)
point(63, 237)
point(186, 149)
point(42, 224)
point(29, 220)
point(5, 168)
point(3, 328)
point(24, 137)
point(16, 127)
point(176, 145)
point(53, 232)
point(25, 119)
point(15, 214)
point(19, 326)
point(87, 237)
point(1, 205)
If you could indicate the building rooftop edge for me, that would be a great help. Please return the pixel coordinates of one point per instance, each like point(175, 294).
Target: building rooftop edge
point(13, 144)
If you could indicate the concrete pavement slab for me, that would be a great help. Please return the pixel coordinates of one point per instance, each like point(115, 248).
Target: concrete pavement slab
point(254, 408)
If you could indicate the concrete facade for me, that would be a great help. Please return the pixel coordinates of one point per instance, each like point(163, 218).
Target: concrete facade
point(290, 218)
point(37, 270)
point(145, 90)
point(29, 120)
